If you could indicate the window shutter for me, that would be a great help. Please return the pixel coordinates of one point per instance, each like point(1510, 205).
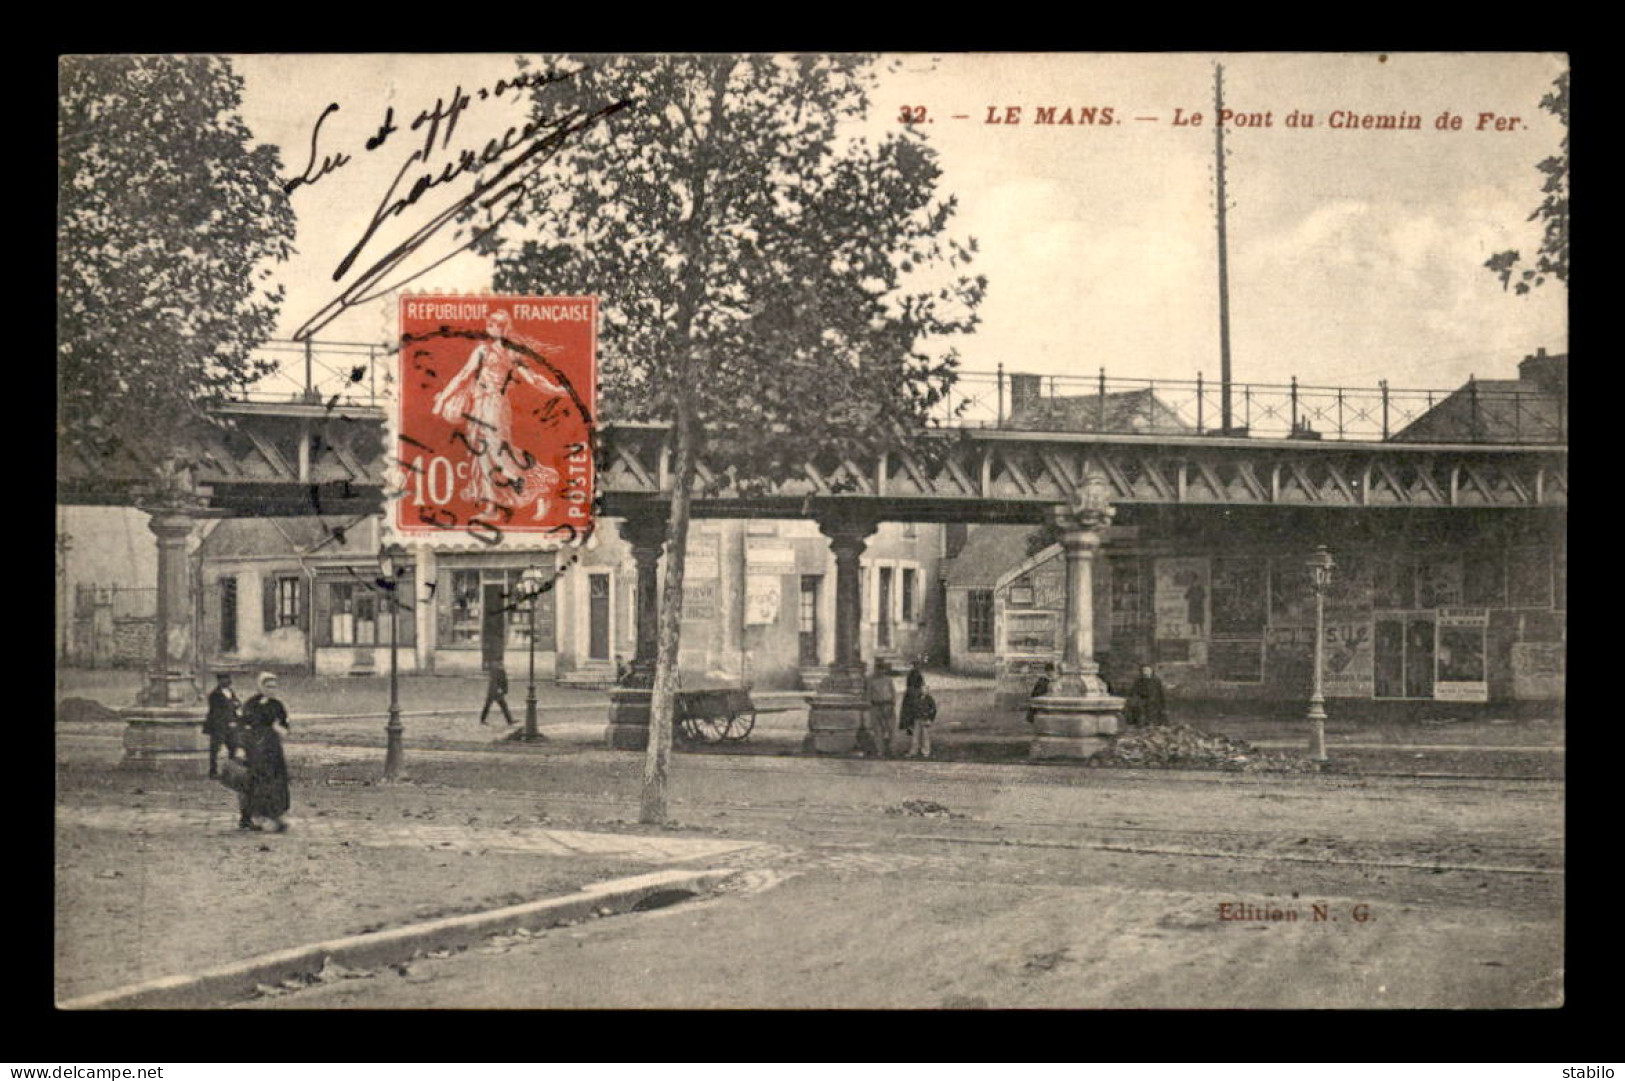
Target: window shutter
point(268, 593)
point(304, 603)
point(442, 607)
point(210, 640)
point(324, 614)
point(408, 615)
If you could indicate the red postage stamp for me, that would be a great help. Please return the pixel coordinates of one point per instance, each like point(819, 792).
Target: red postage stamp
point(494, 418)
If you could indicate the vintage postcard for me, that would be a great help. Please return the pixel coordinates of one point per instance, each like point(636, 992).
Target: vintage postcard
point(945, 531)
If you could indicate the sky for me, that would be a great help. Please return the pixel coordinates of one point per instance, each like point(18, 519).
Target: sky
point(1354, 255)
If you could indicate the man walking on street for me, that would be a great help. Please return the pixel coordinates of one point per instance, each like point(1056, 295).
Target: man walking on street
point(221, 722)
point(496, 692)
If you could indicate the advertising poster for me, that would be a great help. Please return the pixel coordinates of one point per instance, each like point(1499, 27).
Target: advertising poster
point(703, 560)
point(1236, 660)
point(764, 558)
point(1182, 598)
point(1439, 582)
point(699, 601)
point(1240, 595)
point(1348, 659)
point(761, 599)
point(1461, 675)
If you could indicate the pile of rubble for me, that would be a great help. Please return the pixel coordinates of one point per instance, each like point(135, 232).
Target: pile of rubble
point(922, 808)
point(1180, 746)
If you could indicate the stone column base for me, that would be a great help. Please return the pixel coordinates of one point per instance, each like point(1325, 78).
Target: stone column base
point(160, 739)
point(628, 728)
point(833, 721)
point(1073, 727)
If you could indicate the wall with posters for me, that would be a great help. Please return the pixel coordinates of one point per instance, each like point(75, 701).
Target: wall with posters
point(1411, 614)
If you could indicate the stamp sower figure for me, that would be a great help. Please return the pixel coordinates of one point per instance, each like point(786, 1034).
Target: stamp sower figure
point(266, 793)
point(477, 398)
point(1147, 701)
point(918, 712)
point(221, 723)
point(496, 692)
point(1040, 688)
point(882, 709)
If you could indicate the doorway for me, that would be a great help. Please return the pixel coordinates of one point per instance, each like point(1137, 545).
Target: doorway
point(807, 619)
point(598, 617)
point(493, 623)
point(1402, 657)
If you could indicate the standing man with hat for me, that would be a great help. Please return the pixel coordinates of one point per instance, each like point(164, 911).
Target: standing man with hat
point(220, 725)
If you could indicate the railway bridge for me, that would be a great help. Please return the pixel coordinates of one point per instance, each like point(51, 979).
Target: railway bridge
point(326, 457)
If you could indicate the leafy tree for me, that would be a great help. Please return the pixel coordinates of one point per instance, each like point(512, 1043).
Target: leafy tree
point(166, 220)
point(772, 285)
point(1552, 260)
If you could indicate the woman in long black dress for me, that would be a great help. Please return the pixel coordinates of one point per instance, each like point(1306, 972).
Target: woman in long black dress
point(266, 793)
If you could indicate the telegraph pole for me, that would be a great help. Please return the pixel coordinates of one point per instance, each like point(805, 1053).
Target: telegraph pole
point(1224, 272)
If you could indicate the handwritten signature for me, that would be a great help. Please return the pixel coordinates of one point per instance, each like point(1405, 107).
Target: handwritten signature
point(501, 171)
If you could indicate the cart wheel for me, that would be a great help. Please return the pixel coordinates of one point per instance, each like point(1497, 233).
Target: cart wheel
point(739, 726)
point(713, 729)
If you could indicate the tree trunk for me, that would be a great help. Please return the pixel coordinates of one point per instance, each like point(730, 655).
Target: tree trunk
point(657, 759)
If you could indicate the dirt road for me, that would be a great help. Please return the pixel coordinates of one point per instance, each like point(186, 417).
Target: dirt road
point(1055, 888)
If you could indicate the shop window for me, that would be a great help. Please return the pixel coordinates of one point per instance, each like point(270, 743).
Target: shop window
point(353, 618)
point(979, 621)
point(465, 608)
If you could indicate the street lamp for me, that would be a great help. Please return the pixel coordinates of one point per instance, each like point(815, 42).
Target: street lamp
point(1320, 566)
point(533, 580)
point(391, 564)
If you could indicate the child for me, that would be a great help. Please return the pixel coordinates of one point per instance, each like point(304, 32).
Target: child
point(918, 712)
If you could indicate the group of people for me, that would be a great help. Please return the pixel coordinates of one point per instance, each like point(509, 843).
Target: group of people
point(1146, 702)
point(914, 716)
point(247, 732)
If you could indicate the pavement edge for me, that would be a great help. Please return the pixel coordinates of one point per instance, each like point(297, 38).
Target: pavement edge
point(237, 980)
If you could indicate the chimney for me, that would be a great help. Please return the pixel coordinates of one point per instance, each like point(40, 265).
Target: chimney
point(1550, 373)
point(1025, 392)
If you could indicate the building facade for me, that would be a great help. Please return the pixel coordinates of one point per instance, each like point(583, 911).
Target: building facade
point(758, 602)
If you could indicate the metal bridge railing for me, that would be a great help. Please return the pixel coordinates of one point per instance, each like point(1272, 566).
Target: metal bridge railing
point(318, 373)
point(1292, 410)
point(360, 373)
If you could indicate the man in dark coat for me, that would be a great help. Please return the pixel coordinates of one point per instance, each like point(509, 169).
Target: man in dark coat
point(221, 723)
point(1147, 701)
point(1040, 689)
point(496, 692)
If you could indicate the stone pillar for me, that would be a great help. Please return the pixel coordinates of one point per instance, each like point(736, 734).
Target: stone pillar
point(1077, 716)
point(628, 728)
point(841, 701)
point(163, 729)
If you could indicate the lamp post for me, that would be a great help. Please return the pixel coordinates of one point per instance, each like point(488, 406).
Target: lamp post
point(1320, 566)
point(533, 579)
point(390, 560)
